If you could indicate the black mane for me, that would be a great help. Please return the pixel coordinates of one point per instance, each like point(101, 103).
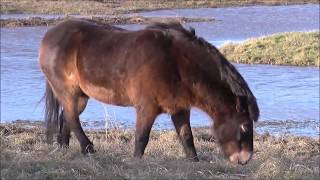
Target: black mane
point(228, 73)
point(190, 34)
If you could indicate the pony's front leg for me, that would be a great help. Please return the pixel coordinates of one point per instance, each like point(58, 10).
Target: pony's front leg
point(181, 121)
point(145, 119)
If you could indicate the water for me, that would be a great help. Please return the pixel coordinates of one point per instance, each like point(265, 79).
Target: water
point(245, 22)
point(288, 96)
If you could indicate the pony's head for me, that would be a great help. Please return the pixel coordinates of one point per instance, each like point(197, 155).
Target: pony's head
point(234, 131)
point(218, 89)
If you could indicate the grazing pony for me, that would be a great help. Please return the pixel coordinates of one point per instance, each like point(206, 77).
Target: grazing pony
point(163, 68)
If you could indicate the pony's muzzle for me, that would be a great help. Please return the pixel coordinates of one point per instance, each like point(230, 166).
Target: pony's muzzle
point(241, 157)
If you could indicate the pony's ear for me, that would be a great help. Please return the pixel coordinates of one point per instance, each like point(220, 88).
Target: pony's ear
point(241, 104)
point(254, 110)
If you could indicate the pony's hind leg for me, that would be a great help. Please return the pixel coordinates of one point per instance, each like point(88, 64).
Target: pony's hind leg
point(71, 115)
point(64, 133)
point(181, 121)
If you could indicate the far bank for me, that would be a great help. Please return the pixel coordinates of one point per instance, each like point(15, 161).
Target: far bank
point(106, 7)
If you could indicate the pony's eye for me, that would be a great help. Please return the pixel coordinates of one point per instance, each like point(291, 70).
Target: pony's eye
point(243, 128)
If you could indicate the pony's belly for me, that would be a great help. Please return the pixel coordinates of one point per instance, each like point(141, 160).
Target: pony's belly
point(106, 95)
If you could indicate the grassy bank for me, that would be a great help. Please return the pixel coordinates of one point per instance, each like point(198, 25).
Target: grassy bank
point(25, 155)
point(125, 6)
point(296, 48)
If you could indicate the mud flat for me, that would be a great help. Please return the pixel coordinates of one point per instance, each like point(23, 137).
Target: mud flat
point(39, 21)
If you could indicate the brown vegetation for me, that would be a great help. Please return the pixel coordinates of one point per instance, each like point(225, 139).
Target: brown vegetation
point(25, 155)
point(38, 21)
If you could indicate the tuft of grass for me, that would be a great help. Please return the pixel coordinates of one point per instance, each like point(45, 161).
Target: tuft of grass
point(86, 7)
point(25, 155)
point(294, 48)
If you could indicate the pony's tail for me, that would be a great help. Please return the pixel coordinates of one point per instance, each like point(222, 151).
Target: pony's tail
point(52, 113)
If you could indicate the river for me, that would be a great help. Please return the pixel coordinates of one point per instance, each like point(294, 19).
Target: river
point(287, 96)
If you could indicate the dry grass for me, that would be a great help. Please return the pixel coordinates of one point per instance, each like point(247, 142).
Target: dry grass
point(124, 6)
point(25, 155)
point(295, 48)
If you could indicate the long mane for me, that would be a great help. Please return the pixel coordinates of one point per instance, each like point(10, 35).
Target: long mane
point(228, 73)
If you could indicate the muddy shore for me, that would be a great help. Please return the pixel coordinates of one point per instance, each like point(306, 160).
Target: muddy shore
point(38, 21)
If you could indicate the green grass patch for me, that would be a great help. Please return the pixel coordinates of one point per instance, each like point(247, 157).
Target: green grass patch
point(294, 48)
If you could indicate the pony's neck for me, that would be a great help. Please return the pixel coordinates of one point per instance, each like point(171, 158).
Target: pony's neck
point(214, 102)
point(200, 69)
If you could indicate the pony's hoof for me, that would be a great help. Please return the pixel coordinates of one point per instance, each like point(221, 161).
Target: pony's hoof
point(64, 146)
point(194, 159)
point(137, 155)
point(88, 149)
point(63, 142)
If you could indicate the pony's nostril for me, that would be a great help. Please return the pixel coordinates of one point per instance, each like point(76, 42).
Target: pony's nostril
point(234, 158)
point(244, 157)
point(240, 158)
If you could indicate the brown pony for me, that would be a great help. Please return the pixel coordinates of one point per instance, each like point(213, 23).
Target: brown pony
point(163, 68)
